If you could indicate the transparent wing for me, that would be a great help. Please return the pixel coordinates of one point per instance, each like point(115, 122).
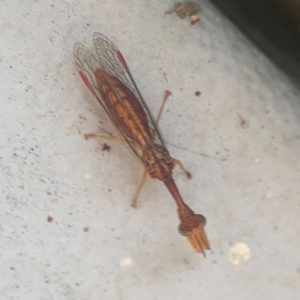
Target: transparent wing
point(112, 61)
point(87, 65)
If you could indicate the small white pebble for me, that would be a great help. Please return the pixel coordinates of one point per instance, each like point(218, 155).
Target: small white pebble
point(239, 253)
point(127, 261)
point(87, 175)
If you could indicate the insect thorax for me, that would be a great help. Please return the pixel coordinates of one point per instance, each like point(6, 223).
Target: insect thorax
point(158, 162)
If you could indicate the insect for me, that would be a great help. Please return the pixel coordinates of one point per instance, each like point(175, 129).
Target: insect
point(109, 79)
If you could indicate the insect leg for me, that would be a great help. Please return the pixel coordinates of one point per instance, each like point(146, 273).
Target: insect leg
point(167, 95)
point(179, 163)
point(97, 136)
point(174, 161)
point(143, 180)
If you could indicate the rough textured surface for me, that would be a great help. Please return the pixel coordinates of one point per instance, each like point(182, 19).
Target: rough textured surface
point(67, 230)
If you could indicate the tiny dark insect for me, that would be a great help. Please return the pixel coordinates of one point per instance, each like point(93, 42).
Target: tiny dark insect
point(105, 147)
point(198, 93)
point(110, 81)
point(49, 219)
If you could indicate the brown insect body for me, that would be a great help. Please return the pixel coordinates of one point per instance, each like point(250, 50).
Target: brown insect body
point(130, 118)
point(125, 110)
point(110, 80)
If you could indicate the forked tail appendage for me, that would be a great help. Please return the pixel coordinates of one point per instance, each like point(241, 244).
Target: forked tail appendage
point(192, 226)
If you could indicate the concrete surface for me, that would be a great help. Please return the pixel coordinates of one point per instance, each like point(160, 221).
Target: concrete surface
point(67, 230)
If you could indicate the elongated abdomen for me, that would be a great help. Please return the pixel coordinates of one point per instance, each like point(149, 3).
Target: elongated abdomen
point(125, 109)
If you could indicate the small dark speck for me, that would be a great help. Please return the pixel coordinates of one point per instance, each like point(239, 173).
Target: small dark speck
point(86, 229)
point(10, 67)
point(11, 268)
point(49, 219)
point(198, 93)
point(105, 147)
point(243, 122)
point(109, 190)
point(87, 24)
